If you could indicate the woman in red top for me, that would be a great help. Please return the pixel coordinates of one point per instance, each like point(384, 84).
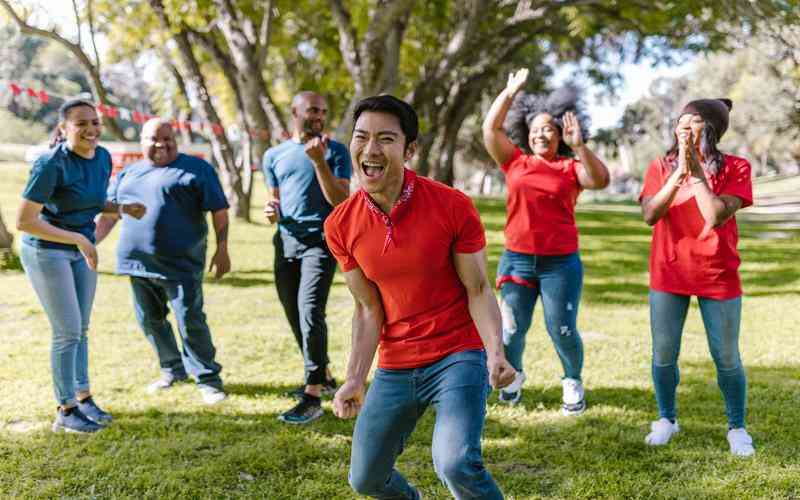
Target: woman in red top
point(544, 179)
point(690, 197)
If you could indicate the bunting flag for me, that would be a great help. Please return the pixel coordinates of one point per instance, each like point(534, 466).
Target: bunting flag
point(137, 117)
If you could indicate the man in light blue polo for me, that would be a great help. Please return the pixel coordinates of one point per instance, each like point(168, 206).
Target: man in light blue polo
point(307, 176)
point(164, 253)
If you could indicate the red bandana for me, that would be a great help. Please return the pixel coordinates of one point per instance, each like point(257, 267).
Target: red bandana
point(409, 179)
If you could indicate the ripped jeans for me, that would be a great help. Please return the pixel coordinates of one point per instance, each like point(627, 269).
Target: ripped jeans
point(558, 279)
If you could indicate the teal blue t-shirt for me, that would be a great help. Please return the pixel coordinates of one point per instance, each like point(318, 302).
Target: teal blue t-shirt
point(169, 242)
point(303, 207)
point(72, 190)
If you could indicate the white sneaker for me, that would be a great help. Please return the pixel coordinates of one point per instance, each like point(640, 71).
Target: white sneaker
point(511, 393)
point(573, 397)
point(661, 432)
point(212, 395)
point(741, 442)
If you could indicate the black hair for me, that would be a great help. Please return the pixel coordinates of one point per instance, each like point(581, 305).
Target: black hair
point(708, 147)
point(390, 104)
point(63, 111)
point(526, 107)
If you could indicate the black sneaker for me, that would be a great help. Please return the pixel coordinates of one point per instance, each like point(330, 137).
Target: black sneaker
point(329, 388)
point(307, 410)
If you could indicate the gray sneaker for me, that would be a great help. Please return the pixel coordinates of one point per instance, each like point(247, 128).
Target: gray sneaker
point(93, 412)
point(74, 421)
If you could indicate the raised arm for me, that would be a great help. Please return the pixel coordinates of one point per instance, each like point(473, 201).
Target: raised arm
point(716, 210)
point(594, 174)
point(497, 143)
point(334, 190)
point(368, 318)
point(471, 269)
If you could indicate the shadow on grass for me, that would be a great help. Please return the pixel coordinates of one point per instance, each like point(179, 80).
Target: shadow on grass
point(530, 449)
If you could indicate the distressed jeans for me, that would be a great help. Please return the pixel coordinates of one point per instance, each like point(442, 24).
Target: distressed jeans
point(456, 386)
point(65, 286)
point(558, 279)
point(721, 319)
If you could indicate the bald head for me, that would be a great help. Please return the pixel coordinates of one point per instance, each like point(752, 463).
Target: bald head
point(158, 142)
point(309, 111)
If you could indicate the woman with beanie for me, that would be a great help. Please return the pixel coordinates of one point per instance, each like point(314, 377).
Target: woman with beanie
point(690, 196)
point(65, 191)
point(547, 164)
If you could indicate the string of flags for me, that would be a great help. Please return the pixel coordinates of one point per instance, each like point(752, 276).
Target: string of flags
point(120, 113)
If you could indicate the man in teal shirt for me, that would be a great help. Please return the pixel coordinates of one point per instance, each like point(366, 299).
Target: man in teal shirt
point(307, 176)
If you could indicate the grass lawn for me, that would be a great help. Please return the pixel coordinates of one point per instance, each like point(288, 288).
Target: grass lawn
point(171, 445)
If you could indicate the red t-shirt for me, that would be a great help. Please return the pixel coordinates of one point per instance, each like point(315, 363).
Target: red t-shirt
point(541, 204)
point(424, 302)
point(686, 257)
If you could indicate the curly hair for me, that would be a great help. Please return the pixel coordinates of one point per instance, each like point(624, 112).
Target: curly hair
point(527, 106)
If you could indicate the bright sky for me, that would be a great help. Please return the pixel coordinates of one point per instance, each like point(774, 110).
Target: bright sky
point(637, 78)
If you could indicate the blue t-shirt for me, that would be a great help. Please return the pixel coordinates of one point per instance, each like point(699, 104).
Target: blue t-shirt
point(303, 207)
point(72, 190)
point(169, 242)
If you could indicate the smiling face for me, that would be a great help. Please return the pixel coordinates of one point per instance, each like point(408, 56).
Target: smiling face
point(158, 143)
point(81, 128)
point(544, 136)
point(379, 152)
point(690, 123)
point(309, 111)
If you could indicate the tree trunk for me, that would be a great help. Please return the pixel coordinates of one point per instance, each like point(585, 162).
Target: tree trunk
point(373, 63)
point(221, 148)
point(7, 258)
point(92, 69)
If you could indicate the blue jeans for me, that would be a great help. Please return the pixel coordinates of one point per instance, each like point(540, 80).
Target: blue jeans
point(721, 319)
point(65, 286)
point(457, 387)
point(150, 298)
point(558, 279)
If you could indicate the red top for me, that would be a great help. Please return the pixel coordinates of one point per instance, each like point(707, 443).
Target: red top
point(688, 257)
point(409, 256)
point(541, 204)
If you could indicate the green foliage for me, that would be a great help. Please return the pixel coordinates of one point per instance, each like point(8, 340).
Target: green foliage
point(762, 129)
point(16, 130)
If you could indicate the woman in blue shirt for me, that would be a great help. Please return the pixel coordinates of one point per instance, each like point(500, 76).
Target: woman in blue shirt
point(65, 191)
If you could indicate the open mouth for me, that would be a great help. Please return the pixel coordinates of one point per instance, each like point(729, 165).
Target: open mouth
point(372, 169)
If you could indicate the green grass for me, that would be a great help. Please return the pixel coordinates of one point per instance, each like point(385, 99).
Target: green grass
point(172, 446)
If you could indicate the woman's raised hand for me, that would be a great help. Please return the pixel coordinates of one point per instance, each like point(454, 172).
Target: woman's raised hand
point(573, 135)
point(516, 81)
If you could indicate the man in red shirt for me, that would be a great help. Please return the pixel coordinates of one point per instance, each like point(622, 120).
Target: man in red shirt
point(412, 253)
